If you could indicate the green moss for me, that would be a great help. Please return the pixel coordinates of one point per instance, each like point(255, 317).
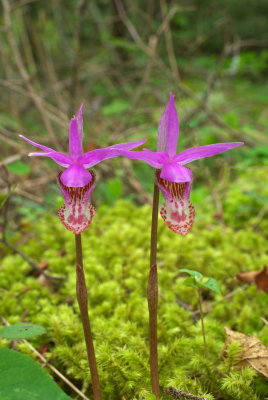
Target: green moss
point(116, 260)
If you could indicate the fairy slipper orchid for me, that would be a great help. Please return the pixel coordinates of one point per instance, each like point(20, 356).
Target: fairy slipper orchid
point(76, 182)
point(173, 179)
point(76, 164)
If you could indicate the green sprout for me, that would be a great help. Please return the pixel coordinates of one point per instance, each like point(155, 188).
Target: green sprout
point(198, 282)
point(4, 199)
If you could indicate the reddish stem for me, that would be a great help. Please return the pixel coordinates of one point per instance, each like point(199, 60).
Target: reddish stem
point(81, 292)
point(152, 296)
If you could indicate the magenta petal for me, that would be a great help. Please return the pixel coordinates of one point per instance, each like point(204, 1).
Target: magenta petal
point(95, 156)
point(127, 146)
point(174, 172)
point(162, 131)
point(45, 148)
point(177, 212)
point(77, 212)
point(168, 129)
point(75, 144)
point(60, 158)
point(79, 119)
point(156, 160)
point(75, 176)
point(195, 153)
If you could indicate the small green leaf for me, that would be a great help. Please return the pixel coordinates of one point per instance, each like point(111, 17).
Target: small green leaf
point(190, 282)
point(19, 168)
point(212, 284)
point(21, 378)
point(197, 275)
point(22, 331)
point(115, 107)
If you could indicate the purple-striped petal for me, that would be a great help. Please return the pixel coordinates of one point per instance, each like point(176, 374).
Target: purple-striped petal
point(79, 119)
point(75, 144)
point(168, 129)
point(75, 176)
point(77, 212)
point(195, 153)
point(60, 158)
point(93, 157)
point(45, 148)
point(177, 212)
point(174, 172)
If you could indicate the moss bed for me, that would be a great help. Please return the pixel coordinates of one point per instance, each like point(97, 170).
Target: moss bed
point(116, 260)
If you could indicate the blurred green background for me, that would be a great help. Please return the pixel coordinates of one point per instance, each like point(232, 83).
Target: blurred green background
point(121, 59)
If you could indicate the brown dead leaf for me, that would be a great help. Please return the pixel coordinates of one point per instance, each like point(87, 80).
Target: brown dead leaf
point(43, 264)
point(254, 352)
point(43, 349)
point(260, 278)
point(248, 277)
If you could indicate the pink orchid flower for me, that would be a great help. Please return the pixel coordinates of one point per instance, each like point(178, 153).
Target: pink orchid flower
point(172, 178)
point(76, 183)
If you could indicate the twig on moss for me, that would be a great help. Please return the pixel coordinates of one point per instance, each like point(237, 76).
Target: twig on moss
point(47, 364)
point(3, 228)
point(31, 263)
point(178, 394)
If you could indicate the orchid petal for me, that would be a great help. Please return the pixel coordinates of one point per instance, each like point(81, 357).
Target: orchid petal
point(177, 212)
point(155, 159)
point(79, 119)
point(75, 176)
point(168, 129)
point(127, 146)
point(60, 158)
point(162, 131)
point(195, 153)
point(95, 156)
point(75, 144)
point(174, 172)
point(45, 148)
point(77, 212)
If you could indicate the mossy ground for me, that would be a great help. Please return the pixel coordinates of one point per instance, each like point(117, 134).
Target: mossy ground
point(116, 261)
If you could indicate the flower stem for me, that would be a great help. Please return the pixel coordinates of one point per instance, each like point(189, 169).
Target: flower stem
point(81, 293)
point(152, 296)
point(202, 322)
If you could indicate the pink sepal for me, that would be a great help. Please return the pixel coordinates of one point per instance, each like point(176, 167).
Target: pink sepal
point(177, 212)
point(76, 213)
